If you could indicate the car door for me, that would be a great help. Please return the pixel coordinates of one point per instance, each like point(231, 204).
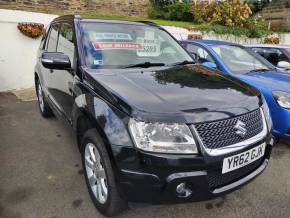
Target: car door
point(47, 74)
point(61, 84)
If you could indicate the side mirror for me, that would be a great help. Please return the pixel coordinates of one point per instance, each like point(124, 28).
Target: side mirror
point(210, 65)
point(55, 60)
point(284, 64)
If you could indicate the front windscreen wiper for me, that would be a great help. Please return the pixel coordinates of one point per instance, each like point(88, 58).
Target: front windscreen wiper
point(145, 65)
point(258, 70)
point(183, 63)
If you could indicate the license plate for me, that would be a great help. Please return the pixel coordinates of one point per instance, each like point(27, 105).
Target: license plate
point(243, 159)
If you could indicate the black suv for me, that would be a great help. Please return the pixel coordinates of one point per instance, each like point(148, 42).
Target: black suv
point(151, 125)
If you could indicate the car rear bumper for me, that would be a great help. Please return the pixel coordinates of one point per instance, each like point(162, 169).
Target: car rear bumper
point(202, 177)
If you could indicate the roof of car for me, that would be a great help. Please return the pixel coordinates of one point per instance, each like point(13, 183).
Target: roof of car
point(116, 22)
point(212, 42)
point(268, 46)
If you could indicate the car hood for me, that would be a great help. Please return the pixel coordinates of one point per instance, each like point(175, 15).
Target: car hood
point(180, 94)
point(273, 80)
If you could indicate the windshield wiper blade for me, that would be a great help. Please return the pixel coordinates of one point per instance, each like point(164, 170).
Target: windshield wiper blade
point(145, 65)
point(183, 63)
point(259, 70)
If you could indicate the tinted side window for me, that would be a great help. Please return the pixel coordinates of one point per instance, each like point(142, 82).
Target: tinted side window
point(273, 55)
point(281, 55)
point(52, 40)
point(199, 54)
point(260, 51)
point(66, 41)
point(45, 37)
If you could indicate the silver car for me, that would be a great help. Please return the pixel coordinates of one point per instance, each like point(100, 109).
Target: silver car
point(278, 55)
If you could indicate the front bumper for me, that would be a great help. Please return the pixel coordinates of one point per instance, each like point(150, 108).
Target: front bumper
point(281, 122)
point(159, 176)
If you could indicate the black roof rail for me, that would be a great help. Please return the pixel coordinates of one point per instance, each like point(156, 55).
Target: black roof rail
point(147, 22)
point(68, 16)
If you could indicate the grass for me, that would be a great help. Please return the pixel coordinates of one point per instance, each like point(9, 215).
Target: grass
point(157, 21)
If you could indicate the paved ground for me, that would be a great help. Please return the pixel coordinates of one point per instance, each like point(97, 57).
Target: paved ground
point(41, 176)
point(25, 94)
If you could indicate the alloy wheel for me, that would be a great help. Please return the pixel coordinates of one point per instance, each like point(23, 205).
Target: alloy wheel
point(96, 174)
point(40, 97)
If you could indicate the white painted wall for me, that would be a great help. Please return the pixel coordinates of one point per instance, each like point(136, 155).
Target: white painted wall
point(182, 34)
point(18, 52)
point(178, 32)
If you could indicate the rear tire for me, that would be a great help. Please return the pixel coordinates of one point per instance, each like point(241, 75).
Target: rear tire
point(99, 175)
point(44, 108)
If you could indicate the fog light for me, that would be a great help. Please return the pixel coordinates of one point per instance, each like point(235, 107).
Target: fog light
point(183, 190)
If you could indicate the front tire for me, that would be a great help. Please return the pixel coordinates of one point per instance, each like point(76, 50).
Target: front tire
point(99, 175)
point(44, 108)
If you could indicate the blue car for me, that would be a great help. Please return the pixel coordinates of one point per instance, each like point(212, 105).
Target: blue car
point(246, 65)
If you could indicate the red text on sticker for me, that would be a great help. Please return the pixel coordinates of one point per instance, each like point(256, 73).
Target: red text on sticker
point(117, 45)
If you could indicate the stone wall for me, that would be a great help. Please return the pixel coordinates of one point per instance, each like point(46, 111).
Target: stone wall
point(277, 13)
point(134, 8)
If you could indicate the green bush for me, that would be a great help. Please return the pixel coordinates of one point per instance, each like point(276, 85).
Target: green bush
point(257, 6)
point(224, 13)
point(166, 9)
point(256, 28)
point(158, 9)
point(236, 31)
point(228, 17)
point(179, 11)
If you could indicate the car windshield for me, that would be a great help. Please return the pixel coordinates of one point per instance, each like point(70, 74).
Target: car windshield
point(115, 45)
point(288, 50)
point(239, 60)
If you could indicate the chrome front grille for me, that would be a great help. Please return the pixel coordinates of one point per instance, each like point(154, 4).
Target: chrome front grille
point(222, 133)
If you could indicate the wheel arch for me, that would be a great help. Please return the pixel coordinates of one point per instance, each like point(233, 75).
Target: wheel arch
point(85, 121)
point(91, 112)
point(36, 77)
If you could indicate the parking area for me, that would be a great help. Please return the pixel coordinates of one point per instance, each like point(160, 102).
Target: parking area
point(41, 175)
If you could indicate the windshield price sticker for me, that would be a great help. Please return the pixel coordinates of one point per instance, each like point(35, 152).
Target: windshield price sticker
point(150, 47)
point(112, 36)
point(117, 45)
point(98, 62)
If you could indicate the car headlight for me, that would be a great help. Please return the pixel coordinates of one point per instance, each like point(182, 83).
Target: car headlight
point(163, 138)
point(267, 113)
point(282, 98)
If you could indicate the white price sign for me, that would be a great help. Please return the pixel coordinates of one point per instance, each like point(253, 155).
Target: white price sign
point(150, 47)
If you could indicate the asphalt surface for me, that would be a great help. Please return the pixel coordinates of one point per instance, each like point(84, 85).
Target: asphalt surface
point(41, 175)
